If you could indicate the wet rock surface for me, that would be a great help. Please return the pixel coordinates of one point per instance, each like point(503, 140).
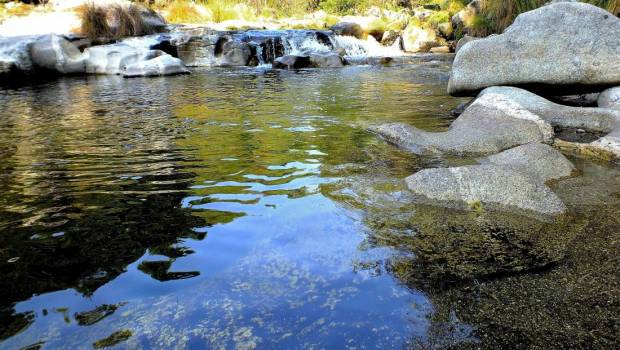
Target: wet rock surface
point(544, 48)
point(485, 186)
point(513, 179)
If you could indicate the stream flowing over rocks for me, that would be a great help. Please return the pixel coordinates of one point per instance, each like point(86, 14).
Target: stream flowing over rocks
point(170, 53)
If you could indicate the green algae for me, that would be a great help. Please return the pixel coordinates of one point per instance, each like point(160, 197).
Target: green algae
point(88, 318)
point(113, 339)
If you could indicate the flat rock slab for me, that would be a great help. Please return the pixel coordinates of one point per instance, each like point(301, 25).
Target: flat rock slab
point(597, 120)
point(491, 124)
point(540, 161)
point(511, 180)
point(569, 46)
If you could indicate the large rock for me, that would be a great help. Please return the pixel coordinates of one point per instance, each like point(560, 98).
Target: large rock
point(114, 59)
point(566, 46)
point(348, 29)
point(417, 39)
point(590, 119)
point(15, 54)
point(56, 54)
point(610, 98)
point(198, 51)
point(163, 64)
point(492, 123)
point(464, 40)
point(234, 53)
point(390, 37)
point(513, 179)
point(131, 61)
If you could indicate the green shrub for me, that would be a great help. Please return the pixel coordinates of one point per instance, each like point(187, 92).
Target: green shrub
point(342, 7)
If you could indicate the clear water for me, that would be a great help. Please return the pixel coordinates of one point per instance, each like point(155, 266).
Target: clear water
point(223, 209)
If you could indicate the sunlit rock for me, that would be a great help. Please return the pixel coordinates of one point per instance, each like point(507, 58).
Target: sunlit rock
point(601, 120)
point(158, 66)
point(511, 180)
point(567, 46)
point(348, 29)
point(55, 53)
point(417, 39)
point(491, 124)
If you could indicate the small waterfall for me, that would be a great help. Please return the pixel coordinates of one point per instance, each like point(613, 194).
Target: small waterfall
point(303, 42)
point(370, 47)
point(262, 63)
point(271, 44)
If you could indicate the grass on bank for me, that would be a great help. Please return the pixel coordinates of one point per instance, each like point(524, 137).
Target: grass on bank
point(96, 21)
point(494, 15)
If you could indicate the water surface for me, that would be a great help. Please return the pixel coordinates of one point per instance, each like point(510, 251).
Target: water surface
point(250, 208)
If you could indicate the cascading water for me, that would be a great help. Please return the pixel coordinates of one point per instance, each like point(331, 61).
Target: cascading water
point(370, 47)
point(303, 42)
point(270, 44)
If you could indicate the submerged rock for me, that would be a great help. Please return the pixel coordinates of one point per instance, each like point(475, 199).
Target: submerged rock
point(610, 98)
point(512, 180)
point(567, 46)
point(451, 246)
point(492, 123)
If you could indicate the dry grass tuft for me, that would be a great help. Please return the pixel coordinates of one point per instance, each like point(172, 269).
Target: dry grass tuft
point(113, 21)
point(94, 21)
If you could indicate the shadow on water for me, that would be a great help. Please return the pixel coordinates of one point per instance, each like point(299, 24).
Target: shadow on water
point(499, 280)
point(77, 189)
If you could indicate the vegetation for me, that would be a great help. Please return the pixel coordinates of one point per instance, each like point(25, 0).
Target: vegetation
point(96, 21)
point(497, 15)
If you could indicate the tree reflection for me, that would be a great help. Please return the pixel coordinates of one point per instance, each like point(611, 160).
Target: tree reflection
point(86, 191)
